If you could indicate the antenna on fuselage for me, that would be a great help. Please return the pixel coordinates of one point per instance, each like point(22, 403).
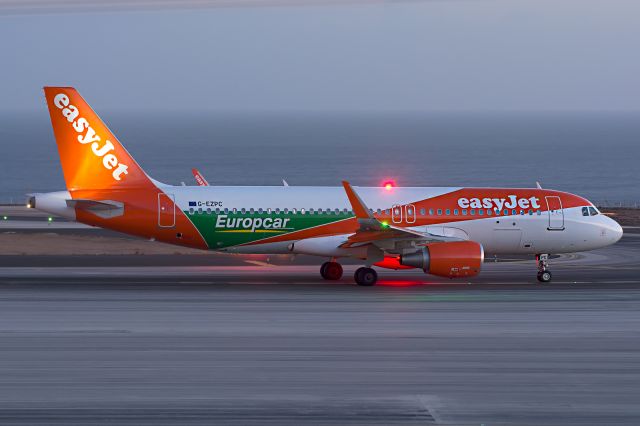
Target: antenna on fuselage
point(284, 182)
point(538, 185)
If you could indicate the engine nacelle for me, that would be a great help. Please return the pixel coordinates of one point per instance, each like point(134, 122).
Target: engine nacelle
point(447, 259)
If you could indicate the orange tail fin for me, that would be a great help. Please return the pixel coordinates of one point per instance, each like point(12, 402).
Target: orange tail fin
point(91, 156)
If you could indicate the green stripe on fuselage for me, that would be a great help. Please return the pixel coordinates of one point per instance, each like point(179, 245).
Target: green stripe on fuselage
point(230, 229)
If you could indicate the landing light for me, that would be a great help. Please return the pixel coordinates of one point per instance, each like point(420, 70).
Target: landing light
point(50, 219)
point(5, 217)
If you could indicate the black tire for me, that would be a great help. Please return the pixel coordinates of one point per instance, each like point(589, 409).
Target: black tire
point(366, 277)
point(323, 270)
point(333, 271)
point(544, 277)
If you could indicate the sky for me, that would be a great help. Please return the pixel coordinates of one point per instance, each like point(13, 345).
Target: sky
point(440, 55)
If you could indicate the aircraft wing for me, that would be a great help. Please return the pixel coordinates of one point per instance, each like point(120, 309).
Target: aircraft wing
point(381, 234)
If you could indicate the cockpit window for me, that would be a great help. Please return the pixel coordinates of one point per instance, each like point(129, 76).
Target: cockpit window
point(593, 211)
point(585, 211)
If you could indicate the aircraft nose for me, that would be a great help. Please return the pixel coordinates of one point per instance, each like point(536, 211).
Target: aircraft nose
point(614, 230)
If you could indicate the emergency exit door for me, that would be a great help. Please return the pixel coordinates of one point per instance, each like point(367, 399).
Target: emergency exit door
point(556, 214)
point(166, 210)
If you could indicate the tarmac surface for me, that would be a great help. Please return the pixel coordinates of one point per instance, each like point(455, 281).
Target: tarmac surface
point(151, 340)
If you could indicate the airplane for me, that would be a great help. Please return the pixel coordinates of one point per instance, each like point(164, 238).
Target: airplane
point(199, 178)
point(445, 231)
point(201, 181)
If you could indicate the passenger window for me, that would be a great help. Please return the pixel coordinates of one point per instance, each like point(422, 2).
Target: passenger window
point(489, 211)
point(585, 211)
point(506, 213)
point(448, 212)
point(439, 212)
point(302, 211)
point(472, 212)
point(191, 211)
point(423, 212)
point(514, 212)
point(539, 212)
point(208, 211)
point(481, 212)
point(464, 212)
point(455, 212)
point(593, 211)
point(430, 212)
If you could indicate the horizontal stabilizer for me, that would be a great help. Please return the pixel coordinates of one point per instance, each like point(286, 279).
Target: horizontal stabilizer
point(104, 208)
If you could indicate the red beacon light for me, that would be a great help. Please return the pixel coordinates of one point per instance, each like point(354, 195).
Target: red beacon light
point(389, 185)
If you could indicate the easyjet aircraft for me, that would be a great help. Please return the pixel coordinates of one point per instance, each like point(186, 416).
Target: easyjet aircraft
point(443, 231)
point(200, 180)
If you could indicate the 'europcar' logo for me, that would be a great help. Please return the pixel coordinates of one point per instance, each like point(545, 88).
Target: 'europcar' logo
point(88, 135)
point(251, 224)
point(511, 202)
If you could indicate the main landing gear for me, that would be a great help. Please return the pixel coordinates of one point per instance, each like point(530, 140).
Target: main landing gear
point(366, 276)
point(331, 271)
point(544, 276)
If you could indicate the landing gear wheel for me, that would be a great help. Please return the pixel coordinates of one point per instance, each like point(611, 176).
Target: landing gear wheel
point(544, 277)
point(366, 277)
point(331, 271)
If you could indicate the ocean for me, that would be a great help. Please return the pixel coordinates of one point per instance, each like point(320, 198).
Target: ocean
point(591, 154)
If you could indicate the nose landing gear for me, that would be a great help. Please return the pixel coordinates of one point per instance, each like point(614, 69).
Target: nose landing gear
point(544, 275)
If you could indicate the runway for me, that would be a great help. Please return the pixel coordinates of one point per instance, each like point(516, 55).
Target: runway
point(253, 343)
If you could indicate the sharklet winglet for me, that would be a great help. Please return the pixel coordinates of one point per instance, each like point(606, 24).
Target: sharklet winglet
point(357, 205)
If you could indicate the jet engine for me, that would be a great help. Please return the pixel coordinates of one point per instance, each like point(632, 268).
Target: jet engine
point(447, 259)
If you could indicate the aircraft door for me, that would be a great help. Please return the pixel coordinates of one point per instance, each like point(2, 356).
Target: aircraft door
point(556, 214)
point(410, 213)
point(166, 210)
point(396, 213)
